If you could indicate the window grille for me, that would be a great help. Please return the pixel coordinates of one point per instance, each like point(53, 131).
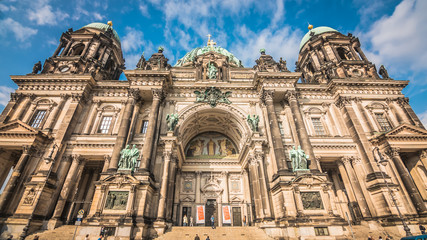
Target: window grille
point(321, 231)
point(144, 126)
point(383, 122)
point(318, 126)
point(38, 118)
point(105, 124)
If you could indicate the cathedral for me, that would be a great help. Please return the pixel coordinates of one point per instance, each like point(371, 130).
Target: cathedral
point(330, 151)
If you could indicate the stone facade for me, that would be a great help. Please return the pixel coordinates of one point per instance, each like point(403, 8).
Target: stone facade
point(62, 132)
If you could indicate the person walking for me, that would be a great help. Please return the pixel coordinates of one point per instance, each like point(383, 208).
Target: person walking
point(244, 220)
point(207, 238)
point(380, 238)
point(370, 238)
point(87, 237)
point(213, 221)
point(191, 221)
point(185, 220)
point(422, 229)
point(196, 237)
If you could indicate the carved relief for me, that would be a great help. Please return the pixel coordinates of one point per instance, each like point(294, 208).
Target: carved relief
point(117, 200)
point(311, 200)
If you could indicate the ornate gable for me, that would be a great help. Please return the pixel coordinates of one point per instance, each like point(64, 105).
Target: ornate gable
point(17, 126)
point(405, 130)
point(403, 136)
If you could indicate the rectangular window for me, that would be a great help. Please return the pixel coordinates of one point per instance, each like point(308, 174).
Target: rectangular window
point(383, 122)
point(144, 126)
point(38, 118)
point(318, 126)
point(281, 128)
point(321, 231)
point(105, 124)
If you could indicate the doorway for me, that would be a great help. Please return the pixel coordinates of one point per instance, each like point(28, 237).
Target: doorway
point(237, 216)
point(186, 211)
point(211, 209)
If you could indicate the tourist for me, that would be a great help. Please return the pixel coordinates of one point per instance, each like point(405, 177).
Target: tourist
point(10, 237)
point(36, 237)
point(191, 221)
point(422, 229)
point(212, 222)
point(380, 238)
point(207, 238)
point(100, 237)
point(370, 238)
point(196, 237)
point(244, 220)
point(87, 237)
point(185, 220)
point(102, 231)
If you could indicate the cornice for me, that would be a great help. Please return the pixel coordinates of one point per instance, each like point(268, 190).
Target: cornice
point(53, 78)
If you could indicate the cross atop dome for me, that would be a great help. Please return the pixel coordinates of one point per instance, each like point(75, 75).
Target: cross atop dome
point(211, 43)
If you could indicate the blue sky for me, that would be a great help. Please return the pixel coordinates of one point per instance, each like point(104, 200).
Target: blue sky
point(393, 33)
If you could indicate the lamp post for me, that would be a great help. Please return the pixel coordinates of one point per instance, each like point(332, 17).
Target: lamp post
point(384, 163)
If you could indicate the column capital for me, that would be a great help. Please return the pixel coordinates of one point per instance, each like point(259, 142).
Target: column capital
point(291, 95)
point(78, 97)
point(393, 152)
point(244, 172)
point(266, 95)
point(158, 94)
point(357, 160)
point(14, 97)
point(346, 160)
point(77, 158)
point(403, 101)
point(66, 158)
point(423, 154)
point(134, 93)
point(343, 101)
point(64, 96)
point(167, 155)
point(28, 149)
point(224, 173)
point(198, 173)
point(253, 160)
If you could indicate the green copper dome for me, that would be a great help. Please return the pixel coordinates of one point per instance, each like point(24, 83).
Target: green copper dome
point(103, 26)
point(314, 32)
point(190, 56)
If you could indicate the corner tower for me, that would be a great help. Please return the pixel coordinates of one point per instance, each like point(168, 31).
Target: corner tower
point(325, 54)
point(94, 49)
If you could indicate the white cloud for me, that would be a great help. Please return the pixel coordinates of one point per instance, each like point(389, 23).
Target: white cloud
point(5, 94)
point(144, 10)
point(44, 15)
point(133, 40)
point(283, 42)
point(398, 41)
point(20, 32)
point(423, 118)
point(97, 16)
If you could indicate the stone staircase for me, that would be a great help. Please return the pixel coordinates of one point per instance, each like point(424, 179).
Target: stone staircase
point(229, 233)
point(65, 232)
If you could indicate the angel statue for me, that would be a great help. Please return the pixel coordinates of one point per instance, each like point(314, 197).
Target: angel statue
point(172, 121)
point(253, 122)
point(212, 71)
point(299, 159)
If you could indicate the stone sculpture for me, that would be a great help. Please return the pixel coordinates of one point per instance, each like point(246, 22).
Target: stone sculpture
point(383, 72)
point(253, 122)
point(299, 159)
point(172, 121)
point(128, 158)
point(212, 71)
point(37, 67)
point(212, 96)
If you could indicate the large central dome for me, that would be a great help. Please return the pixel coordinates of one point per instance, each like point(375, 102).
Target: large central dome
point(190, 56)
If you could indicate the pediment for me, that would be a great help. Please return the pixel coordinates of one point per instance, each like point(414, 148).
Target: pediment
point(187, 199)
point(405, 130)
point(18, 126)
point(308, 179)
point(120, 179)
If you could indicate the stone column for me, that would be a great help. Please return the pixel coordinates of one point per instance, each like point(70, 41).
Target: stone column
point(267, 97)
point(55, 113)
point(246, 187)
point(301, 130)
point(107, 159)
point(407, 180)
point(16, 174)
point(164, 184)
point(356, 132)
point(298, 201)
point(24, 105)
point(149, 135)
point(407, 112)
point(133, 122)
point(198, 186)
point(64, 52)
point(90, 192)
point(220, 212)
point(423, 157)
point(10, 107)
point(365, 118)
point(263, 184)
point(356, 186)
point(101, 200)
point(86, 48)
point(123, 130)
point(253, 171)
point(58, 49)
point(92, 114)
point(226, 193)
point(130, 211)
point(66, 188)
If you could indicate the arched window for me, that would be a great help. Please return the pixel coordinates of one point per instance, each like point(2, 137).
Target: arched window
point(380, 116)
point(78, 49)
point(342, 53)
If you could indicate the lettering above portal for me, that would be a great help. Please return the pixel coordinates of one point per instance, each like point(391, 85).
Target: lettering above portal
point(212, 96)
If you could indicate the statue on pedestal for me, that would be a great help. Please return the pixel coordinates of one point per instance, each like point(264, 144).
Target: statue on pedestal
point(128, 158)
point(212, 71)
point(299, 159)
point(172, 121)
point(253, 122)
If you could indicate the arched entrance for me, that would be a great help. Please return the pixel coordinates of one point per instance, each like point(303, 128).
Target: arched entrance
point(213, 179)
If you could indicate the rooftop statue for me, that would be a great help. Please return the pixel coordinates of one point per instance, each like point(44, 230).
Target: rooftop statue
point(299, 159)
point(128, 158)
point(383, 72)
point(212, 71)
point(37, 67)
